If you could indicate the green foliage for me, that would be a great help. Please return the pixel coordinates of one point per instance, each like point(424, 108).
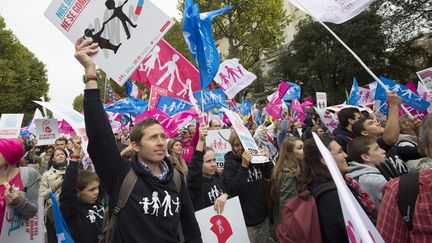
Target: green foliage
point(23, 77)
point(78, 103)
point(176, 39)
point(318, 62)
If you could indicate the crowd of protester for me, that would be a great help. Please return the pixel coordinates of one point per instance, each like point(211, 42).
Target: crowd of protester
point(171, 184)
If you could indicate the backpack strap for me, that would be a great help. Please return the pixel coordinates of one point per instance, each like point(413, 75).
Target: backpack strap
point(24, 174)
point(125, 190)
point(177, 180)
point(322, 189)
point(407, 197)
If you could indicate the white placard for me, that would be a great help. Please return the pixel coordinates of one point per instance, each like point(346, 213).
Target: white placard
point(17, 229)
point(126, 31)
point(46, 131)
point(73, 117)
point(245, 137)
point(218, 141)
point(426, 77)
point(358, 225)
point(10, 125)
point(321, 98)
point(227, 227)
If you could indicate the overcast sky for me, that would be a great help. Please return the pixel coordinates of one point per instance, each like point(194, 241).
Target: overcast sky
point(27, 21)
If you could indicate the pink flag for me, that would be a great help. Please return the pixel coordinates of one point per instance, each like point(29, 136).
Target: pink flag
point(283, 88)
point(65, 128)
point(167, 69)
point(274, 107)
point(170, 124)
point(308, 102)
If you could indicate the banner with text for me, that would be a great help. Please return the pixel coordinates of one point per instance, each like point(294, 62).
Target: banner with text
point(10, 125)
point(46, 131)
point(218, 141)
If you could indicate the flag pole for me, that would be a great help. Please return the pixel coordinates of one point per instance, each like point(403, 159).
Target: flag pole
point(104, 98)
point(354, 55)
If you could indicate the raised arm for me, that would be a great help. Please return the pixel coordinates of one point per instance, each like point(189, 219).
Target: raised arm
point(392, 128)
point(102, 147)
point(68, 197)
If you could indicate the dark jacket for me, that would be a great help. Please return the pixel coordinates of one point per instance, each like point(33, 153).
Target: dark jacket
point(342, 136)
point(154, 208)
point(84, 220)
point(330, 215)
point(203, 190)
point(249, 185)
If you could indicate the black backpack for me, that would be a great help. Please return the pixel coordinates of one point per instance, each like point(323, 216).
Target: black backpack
point(407, 197)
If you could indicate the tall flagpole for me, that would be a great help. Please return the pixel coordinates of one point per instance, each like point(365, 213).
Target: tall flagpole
point(106, 79)
point(352, 53)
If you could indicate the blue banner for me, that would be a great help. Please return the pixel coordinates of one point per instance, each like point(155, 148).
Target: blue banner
point(213, 99)
point(62, 231)
point(354, 98)
point(293, 93)
point(197, 31)
point(128, 105)
point(172, 106)
point(408, 97)
point(245, 107)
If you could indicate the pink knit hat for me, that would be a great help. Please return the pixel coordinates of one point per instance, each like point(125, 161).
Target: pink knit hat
point(12, 150)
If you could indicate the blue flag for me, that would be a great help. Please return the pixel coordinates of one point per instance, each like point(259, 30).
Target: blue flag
point(293, 93)
point(213, 99)
point(354, 98)
point(172, 106)
point(129, 105)
point(408, 97)
point(245, 107)
point(62, 231)
point(198, 34)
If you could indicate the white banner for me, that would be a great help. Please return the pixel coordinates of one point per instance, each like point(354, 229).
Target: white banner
point(32, 126)
point(245, 137)
point(366, 97)
point(10, 125)
point(17, 229)
point(333, 11)
point(126, 32)
point(218, 141)
point(357, 223)
point(426, 77)
point(321, 98)
point(46, 131)
point(330, 120)
point(73, 117)
point(232, 77)
point(227, 227)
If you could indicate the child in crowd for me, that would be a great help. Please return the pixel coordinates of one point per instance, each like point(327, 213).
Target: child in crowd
point(81, 203)
point(367, 154)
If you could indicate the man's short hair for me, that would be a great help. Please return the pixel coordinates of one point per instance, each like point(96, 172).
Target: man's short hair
point(137, 132)
point(345, 114)
point(212, 120)
point(64, 139)
point(358, 127)
point(359, 146)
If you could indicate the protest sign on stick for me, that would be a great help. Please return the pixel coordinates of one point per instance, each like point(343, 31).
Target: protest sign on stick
point(227, 227)
point(10, 125)
point(125, 36)
point(73, 117)
point(46, 131)
point(321, 98)
point(426, 77)
point(245, 137)
point(218, 141)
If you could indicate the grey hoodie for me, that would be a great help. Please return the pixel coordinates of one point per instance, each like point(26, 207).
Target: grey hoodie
point(370, 179)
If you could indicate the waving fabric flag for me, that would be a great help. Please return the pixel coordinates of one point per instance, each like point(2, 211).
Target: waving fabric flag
point(294, 92)
point(408, 97)
point(62, 231)
point(354, 97)
point(232, 77)
point(213, 99)
point(133, 90)
point(332, 11)
point(110, 95)
point(198, 34)
point(167, 70)
point(128, 105)
point(171, 125)
point(172, 106)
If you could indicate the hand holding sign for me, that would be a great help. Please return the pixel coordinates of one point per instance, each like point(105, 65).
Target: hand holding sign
point(246, 159)
point(12, 194)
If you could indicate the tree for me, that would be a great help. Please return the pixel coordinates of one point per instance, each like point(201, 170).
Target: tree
point(317, 61)
point(405, 19)
point(78, 103)
point(23, 77)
